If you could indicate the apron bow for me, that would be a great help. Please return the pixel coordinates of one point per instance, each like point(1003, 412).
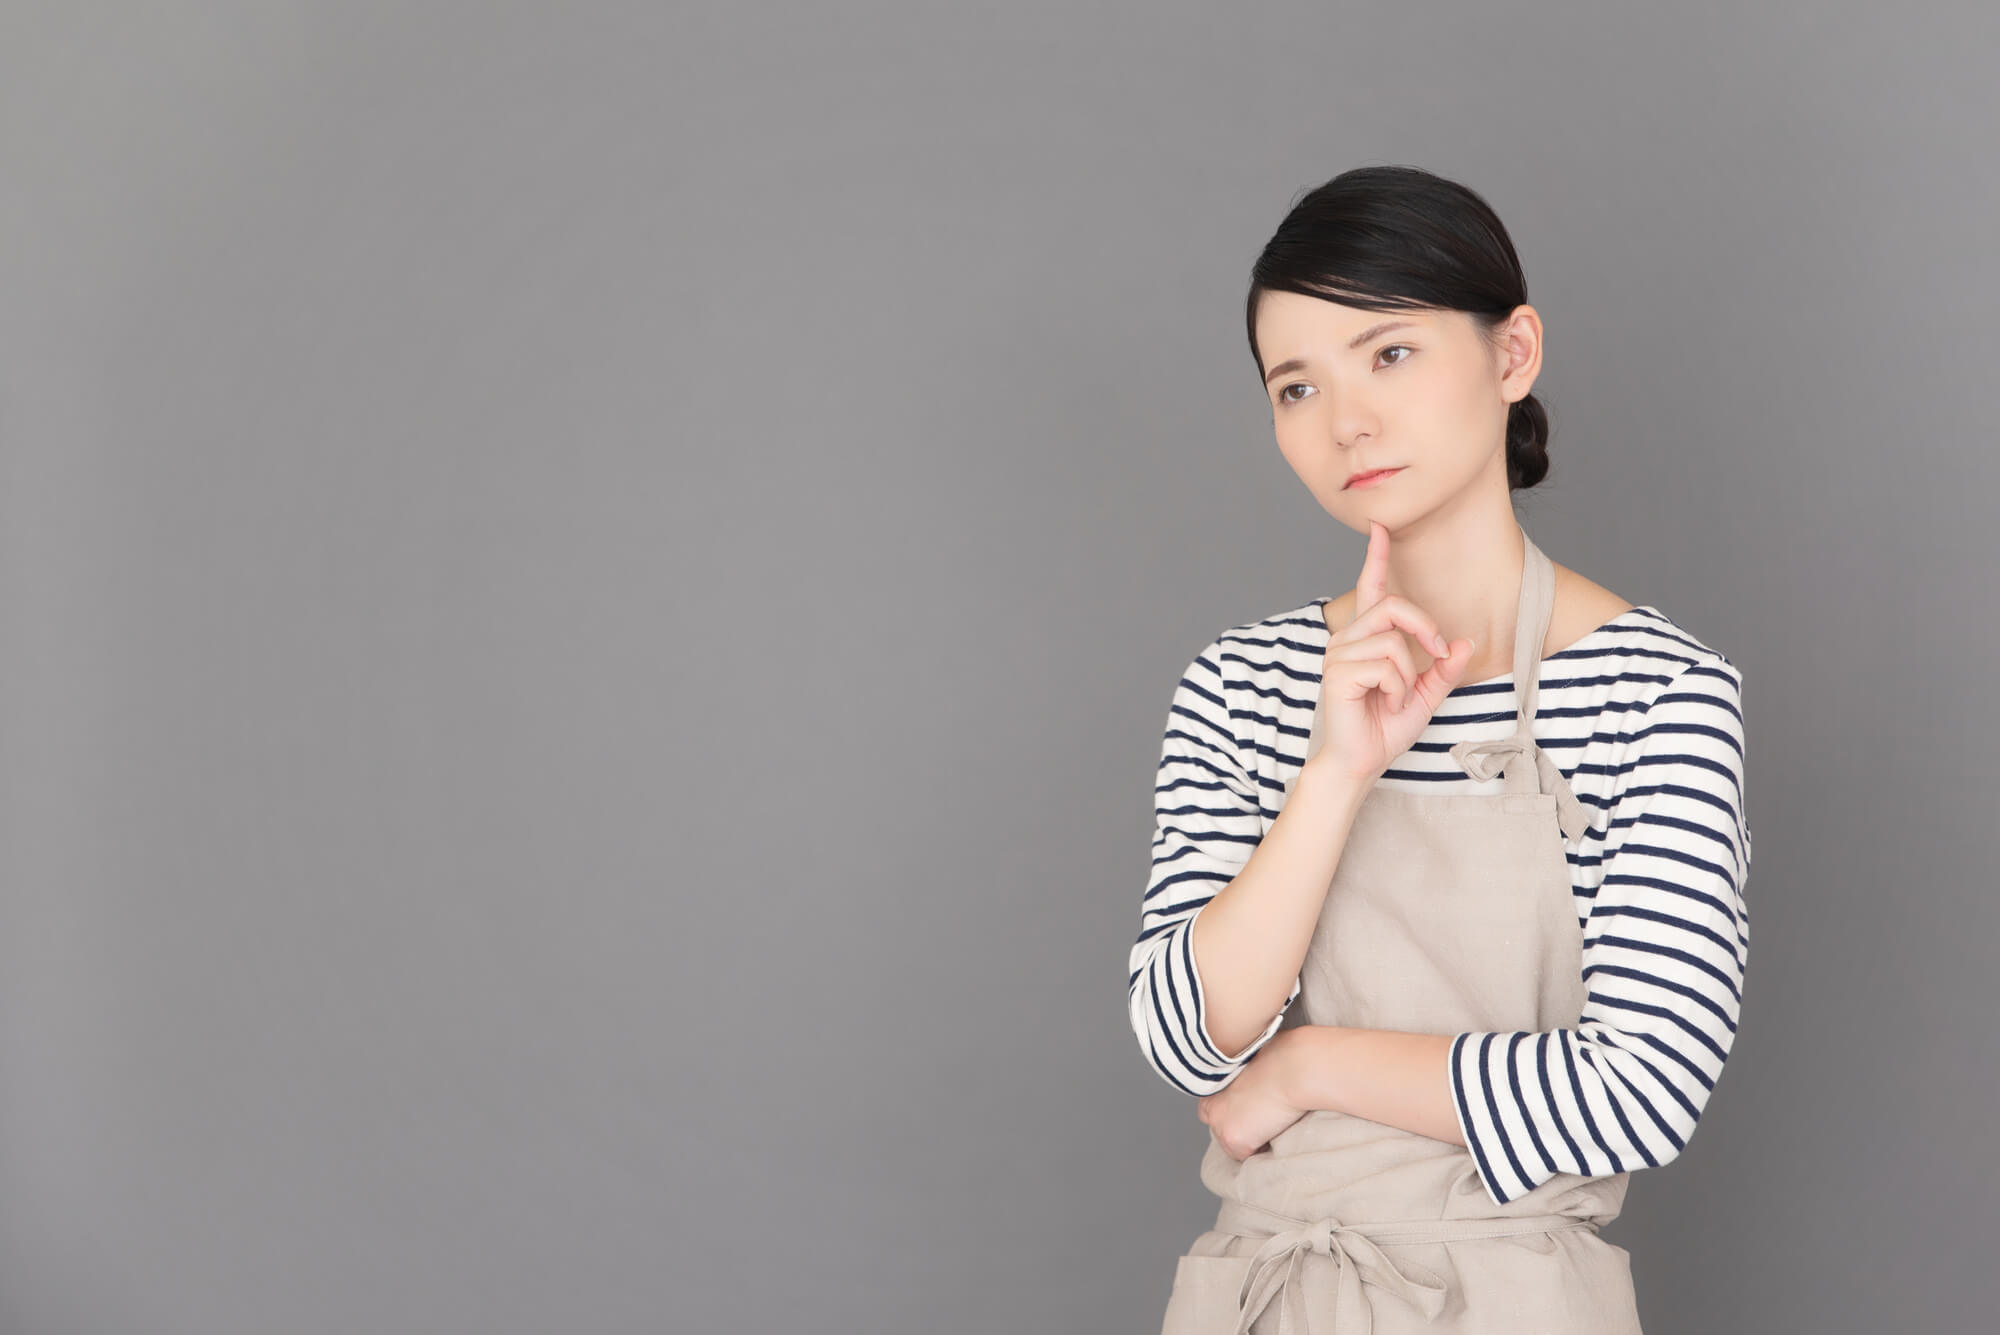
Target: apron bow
point(1277, 1270)
point(1484, 760)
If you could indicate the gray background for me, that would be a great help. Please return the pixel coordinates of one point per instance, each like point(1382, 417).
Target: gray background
point(589, 594)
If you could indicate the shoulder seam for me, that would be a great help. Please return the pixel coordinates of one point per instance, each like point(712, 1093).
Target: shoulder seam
point(1709, 658)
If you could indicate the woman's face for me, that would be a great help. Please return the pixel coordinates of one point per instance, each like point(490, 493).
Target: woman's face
point(1418, 391)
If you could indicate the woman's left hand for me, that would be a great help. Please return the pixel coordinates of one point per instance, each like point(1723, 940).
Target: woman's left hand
point(1256, 1105)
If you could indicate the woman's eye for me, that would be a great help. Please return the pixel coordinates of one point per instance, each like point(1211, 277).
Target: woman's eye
point(1285, 395)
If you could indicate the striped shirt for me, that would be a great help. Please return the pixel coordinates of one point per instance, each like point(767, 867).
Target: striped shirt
point(1646, 723)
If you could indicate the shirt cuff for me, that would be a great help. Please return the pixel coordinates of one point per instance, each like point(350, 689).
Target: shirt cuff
point(1466, 1051)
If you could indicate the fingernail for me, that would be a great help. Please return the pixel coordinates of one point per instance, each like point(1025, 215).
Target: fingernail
point(1442, 647)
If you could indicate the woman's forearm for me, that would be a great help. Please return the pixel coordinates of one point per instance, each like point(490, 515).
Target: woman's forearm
point(1397, 1079)
point(1251, 938)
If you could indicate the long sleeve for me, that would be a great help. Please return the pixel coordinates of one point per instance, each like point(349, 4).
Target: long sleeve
point(1207, 823)
point(1664, 949)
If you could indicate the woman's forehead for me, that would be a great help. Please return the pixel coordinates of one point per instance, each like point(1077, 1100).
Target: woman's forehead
point(1316, 324)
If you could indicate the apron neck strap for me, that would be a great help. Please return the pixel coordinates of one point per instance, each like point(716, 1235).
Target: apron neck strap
point(1531, 627)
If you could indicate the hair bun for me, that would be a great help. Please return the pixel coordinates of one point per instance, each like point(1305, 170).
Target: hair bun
point(1527, 443)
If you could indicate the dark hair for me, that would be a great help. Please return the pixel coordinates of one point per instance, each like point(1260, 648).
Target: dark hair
point(1392, 238)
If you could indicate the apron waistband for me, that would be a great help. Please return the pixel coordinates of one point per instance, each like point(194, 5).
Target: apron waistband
point(1277, 1266)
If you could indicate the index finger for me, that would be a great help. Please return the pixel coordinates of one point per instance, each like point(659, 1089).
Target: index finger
point(1373, 585)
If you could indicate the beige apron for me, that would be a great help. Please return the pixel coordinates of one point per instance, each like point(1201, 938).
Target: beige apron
point(1448, 912)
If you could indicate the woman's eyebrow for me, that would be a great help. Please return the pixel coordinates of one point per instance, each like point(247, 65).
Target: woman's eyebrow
point(1372, 331)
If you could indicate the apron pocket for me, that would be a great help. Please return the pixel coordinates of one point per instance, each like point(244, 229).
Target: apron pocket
point(1204, 1298)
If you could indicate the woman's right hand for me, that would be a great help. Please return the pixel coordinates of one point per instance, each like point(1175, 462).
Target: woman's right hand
point(1377, 704)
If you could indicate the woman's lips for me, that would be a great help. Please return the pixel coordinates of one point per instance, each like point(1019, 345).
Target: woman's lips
point(1370, 479)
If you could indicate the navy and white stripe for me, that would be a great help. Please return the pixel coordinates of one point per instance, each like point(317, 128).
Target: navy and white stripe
point(1646, 722)
point(1208, 806)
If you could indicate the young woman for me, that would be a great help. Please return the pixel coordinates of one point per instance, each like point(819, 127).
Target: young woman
point(1445, 926)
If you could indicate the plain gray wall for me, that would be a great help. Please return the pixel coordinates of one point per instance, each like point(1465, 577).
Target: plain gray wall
point(589, 594)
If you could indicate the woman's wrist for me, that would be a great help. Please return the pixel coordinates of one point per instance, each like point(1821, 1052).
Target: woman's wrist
point(1344, 792)
point(1304, 1066)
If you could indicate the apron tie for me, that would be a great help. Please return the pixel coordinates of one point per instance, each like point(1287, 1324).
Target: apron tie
point(1484, 760)
point(1279, 1267)
point(1277, 1271)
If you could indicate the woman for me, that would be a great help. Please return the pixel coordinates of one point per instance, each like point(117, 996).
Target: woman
point(1445, 926)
